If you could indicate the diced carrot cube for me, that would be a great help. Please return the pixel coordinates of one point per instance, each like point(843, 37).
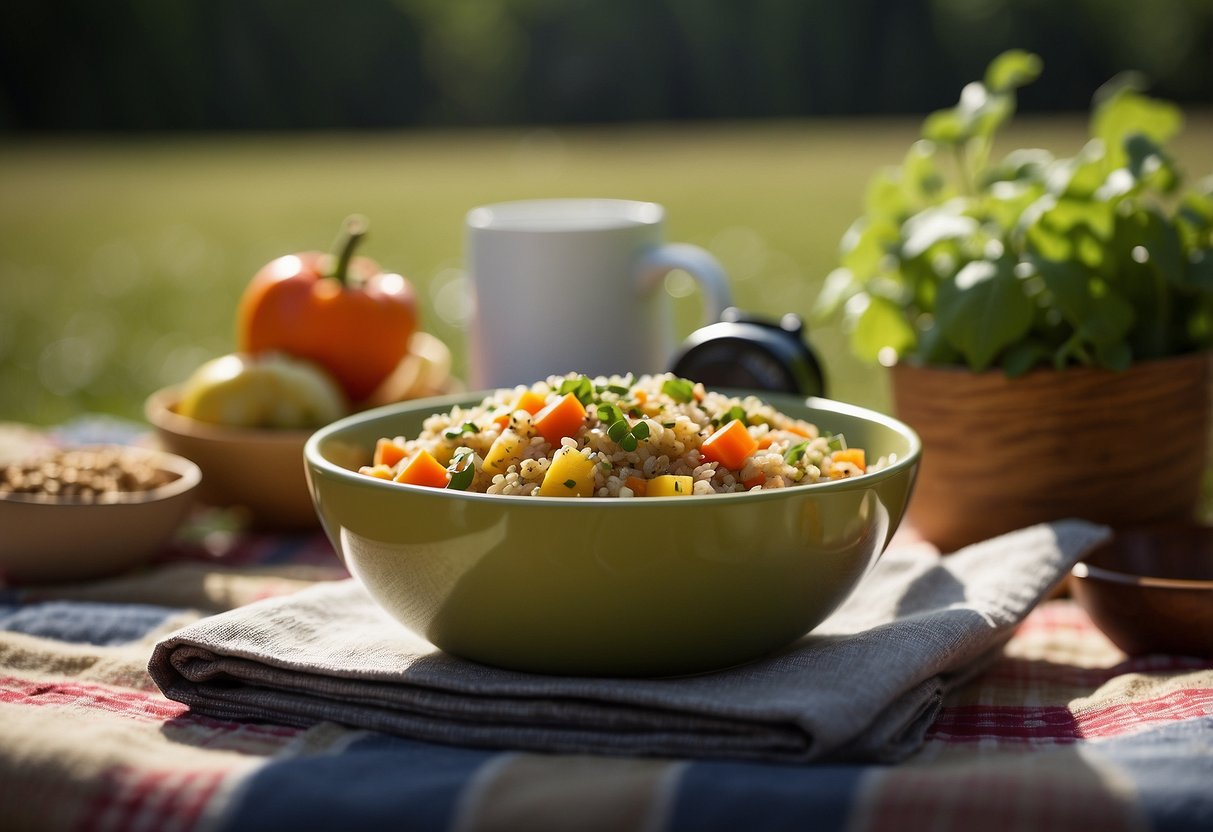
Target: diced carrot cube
point(757, 479)
point(855, 456)
point(802, 428)
point(423, 469)
point(560, 419)
point(638, 485)
point(530, 401)
point(730, 445)
point(387, 452)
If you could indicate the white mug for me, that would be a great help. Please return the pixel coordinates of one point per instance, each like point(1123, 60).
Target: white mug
point(575, 285)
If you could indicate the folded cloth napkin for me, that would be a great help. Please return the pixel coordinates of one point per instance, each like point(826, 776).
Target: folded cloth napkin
point(865, 685)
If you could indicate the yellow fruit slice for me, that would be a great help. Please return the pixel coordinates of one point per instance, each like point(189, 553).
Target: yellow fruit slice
point(267, 391)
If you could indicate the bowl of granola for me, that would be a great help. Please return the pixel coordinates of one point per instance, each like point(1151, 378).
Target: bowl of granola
point(79, 513)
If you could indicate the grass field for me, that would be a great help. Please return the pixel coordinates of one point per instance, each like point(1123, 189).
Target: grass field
point(121, 260)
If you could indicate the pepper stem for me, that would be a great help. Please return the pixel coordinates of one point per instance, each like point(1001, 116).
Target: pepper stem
point(352, 231)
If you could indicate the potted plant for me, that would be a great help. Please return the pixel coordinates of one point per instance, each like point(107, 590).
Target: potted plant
point(1047, 321)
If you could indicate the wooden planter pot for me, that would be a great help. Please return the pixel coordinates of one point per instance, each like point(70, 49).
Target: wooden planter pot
point(1125, 449)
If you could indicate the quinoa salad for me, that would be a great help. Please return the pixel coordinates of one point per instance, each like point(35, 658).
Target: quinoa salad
point(617, 436)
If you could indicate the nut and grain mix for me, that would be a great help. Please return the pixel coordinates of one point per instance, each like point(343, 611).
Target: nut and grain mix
point(85, 475)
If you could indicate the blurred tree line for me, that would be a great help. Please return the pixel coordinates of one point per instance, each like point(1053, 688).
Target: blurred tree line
point(129, 65)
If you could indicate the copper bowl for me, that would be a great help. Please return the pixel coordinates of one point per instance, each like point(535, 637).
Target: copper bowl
point(1150, 589)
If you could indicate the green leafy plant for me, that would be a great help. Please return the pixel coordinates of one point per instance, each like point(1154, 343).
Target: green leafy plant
point(1099, 259)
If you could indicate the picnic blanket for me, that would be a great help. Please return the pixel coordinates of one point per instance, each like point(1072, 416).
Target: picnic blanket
point(864, 685)
point(1060, 731)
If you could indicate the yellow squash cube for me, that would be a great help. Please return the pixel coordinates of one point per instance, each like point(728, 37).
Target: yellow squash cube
point(505, 450)
point(669, 485)
point(571, 474)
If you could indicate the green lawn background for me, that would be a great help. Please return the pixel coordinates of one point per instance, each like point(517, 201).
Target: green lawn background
point(121, 260)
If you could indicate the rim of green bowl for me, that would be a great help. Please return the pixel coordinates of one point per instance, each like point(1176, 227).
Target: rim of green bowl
point(314, 458)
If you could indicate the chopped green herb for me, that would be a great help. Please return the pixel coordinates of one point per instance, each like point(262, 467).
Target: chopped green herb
point(793, 454)
point(618, 430)
point(570, 483)
point(617, 389)
point(679, 389)
point(460, 430)
point(581, 387)
point(628, 436)
point(462, 470)
point(735, 412)
point(837, 442)
point(609, 414)
point(677, 487)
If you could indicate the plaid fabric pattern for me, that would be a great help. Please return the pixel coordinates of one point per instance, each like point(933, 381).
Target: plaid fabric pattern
point(865, 685)
point(1062, 731)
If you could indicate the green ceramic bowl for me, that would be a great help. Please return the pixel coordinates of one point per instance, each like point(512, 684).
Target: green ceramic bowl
point(606, 586)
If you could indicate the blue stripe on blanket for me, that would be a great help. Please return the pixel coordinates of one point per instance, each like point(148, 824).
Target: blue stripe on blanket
point(380, 782)
point(773, 798)
point(285, 551)
point(83, 622)
point(1172, 770)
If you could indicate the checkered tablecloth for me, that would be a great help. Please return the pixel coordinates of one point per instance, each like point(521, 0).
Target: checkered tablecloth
point(1062, 732)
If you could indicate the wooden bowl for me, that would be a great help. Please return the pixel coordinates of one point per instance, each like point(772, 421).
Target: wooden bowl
point(258, 472)
point(46, 539)
point(1150, 589)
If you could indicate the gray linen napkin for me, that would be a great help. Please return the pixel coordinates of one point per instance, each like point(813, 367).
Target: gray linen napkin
point(865, 685)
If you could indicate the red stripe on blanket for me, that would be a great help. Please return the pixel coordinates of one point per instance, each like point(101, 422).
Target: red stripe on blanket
point(124, 701)
point(197, 802)
point(1055, 617)
point(1060, 724)
point(160, 799)
point(1124, 717)
point(151, 707)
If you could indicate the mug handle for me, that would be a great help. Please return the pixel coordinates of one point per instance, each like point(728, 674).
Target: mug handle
point(696, 262)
